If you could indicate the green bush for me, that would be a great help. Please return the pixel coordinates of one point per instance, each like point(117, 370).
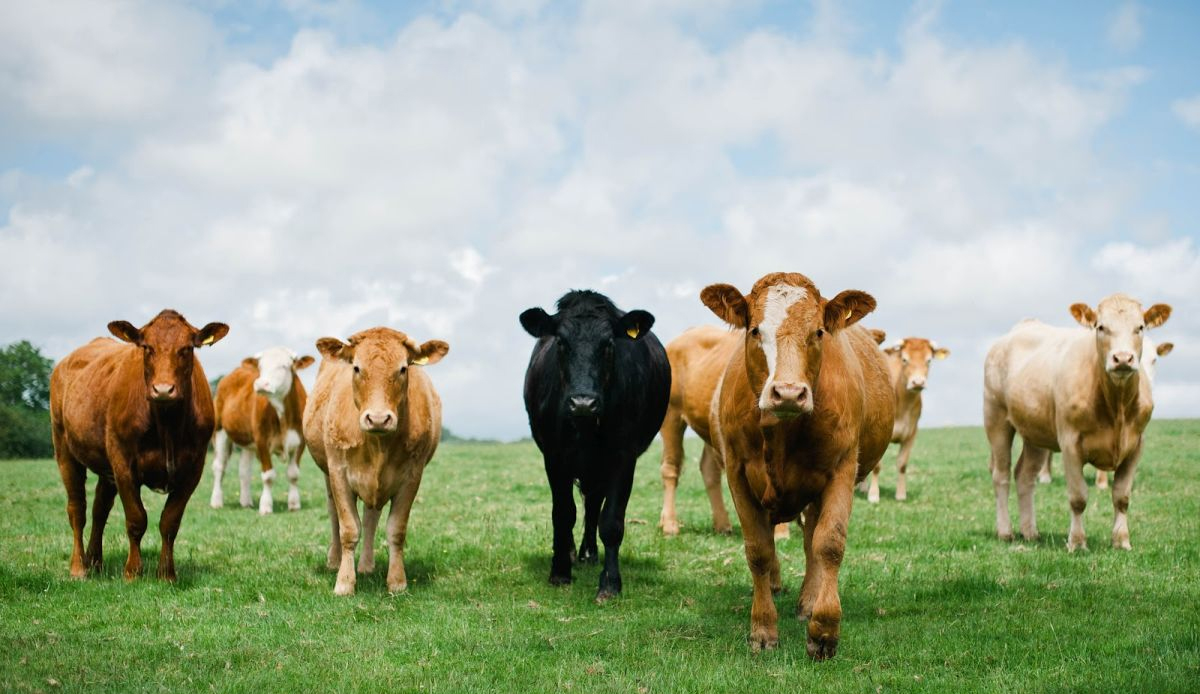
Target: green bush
point(24, 402)
point(24, 433)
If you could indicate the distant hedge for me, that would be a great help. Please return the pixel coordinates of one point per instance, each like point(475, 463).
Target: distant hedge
point(24, 433)
point(24, 402)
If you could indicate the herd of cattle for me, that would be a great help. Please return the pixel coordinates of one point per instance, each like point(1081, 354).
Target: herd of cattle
point(796, 402)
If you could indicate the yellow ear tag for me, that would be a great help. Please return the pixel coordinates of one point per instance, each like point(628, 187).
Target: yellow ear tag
point(849, 313)
point(207, 341)
point(421, 361)
point(633, 332)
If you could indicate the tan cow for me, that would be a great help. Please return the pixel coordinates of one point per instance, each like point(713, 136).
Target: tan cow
point(1076, 391)
point(372, 424)
point(908, 361)
point(1150, 354)
point(800, 414)
point(259, 405)
point(698, 358)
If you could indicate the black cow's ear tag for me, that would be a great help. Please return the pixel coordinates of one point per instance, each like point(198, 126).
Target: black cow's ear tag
point(633, 332)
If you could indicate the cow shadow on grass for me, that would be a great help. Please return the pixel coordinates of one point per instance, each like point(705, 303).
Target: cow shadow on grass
point(635, 570)
point(418, 572)
point(188, 574)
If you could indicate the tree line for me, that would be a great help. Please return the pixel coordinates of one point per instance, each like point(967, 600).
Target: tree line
point(24, 402)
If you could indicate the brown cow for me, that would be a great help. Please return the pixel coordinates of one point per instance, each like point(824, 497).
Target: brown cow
point(801, 413)
point(698, 358)
point(372, 424)
point(908, 360)
point(1078, 391)
point(135, 414)
point(260, 405)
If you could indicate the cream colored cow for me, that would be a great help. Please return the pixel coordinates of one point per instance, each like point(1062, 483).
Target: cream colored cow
point(1081, 392)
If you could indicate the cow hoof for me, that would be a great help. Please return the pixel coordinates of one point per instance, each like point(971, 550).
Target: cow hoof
point(726, 529)
point(560, 579)
point(1004, 536)
point(901, 497)
point(294, 507)
point(822, 648)
point(343, 588)
point(216, 503)
point(587, 556)
point(264, 511)
point(1043, 479)
point(603, 595)
point(400, 587)
point(670, 528)
point(762, 639)
point(872, 498)
point(1121, 543)
point(168, 576)
point(1032, 536)
point(366, 568)
point(246, 504)
point(78, 573)
point(1074, 544)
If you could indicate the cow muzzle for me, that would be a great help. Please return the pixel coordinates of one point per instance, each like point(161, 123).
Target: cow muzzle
point(786, 400)
point(583, 406)
point(164, 392)
point(377, 421)
point(916, 384)
point(1122, 365)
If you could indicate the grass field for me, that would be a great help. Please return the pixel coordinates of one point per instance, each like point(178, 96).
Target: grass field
point(933, 602)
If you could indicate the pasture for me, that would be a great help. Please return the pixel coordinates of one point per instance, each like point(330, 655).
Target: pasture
point(933, 601)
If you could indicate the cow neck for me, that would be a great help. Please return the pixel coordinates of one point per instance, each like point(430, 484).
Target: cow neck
point(291, 407)
point(1120, 399)
point(900, 387)
point(775, 440)
point(168, 421)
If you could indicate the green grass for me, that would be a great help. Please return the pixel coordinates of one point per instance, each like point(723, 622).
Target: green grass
point(932, 601)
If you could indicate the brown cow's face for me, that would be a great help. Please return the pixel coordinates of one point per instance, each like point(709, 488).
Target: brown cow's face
point(915, 354)
point(788, 324)
point(1119, 325)
point(380, 359)
point(167, 344)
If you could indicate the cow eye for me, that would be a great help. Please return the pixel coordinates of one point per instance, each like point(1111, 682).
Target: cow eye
point(754, 331)
point(904, 359)
point(820, 332)
point(403, 370)
point(356, 369)
point(1139, 329)
point(1099, 328)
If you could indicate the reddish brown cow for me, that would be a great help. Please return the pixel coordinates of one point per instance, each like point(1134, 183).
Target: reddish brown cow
point(801, 413)
point(260, 405)
point(135, 414)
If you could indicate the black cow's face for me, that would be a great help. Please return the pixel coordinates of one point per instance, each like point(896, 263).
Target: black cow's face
point(586, 348)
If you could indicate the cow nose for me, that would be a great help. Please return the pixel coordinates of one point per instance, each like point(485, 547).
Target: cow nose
point(916, 384)
point(583, 405)
point(378, 421)
point(1123, 360)
point(163, 391)
point(788, 394)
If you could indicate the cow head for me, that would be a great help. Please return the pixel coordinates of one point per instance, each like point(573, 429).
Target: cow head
point(277, 367)
point(1119, 325)
point(787, 325)
point(915, 354)
point(585, 337)
point(380, 359)
point(167, 342)
point(1150, 354)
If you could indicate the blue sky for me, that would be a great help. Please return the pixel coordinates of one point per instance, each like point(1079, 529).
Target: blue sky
point(318, 167)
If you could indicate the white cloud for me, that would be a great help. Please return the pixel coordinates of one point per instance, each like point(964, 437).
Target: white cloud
point(1125, 28)
point(1188, 110)
point(473, 166)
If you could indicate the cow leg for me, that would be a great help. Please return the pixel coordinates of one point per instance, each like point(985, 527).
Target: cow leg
point(74, 477)
point(245, 498)
point(135, 517)
point(760, 556)
point(334, 557)
point(812, 577)
point(828, 548)
point(266, 502)
point(1044, 476)
point(169, 522)
point(293, 448)
point(1029, 463)
point(366, 558)
point(1000, 438)
point(588, 551)
point(397, 532)
point(1122, 486)
point(222, 448)
point(782, 532)
point(711, 470)
point(672, 462)
point(1077, 495)
point(348, 527)
point(873, 489)
point(1101, 479)
point(102, 505)
point(906, 447)
point(612, 529)
point(562, 516)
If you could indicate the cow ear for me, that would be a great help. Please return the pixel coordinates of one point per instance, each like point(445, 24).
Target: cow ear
point(210, 334)
point(123, 330)
point(252, 362)
point(728, 303)
point(1165, 348)
point(1084, 315)
point(847, 308)
point(635, 324)
point(941, 353)
point(1156, 315)
point(299, 363)
point(333, 348)
point(895, 347)
point(538, 323)
point(429, 353)
point(877, 335)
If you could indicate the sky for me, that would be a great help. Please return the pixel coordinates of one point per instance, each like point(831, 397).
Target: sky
point(304, 168)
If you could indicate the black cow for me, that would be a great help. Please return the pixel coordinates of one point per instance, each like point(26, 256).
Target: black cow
point(596, 392)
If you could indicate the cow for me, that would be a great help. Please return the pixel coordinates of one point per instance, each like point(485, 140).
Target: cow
point(908, 360)
point(372, 424)
point(259, 405)
point(1080, 392)
point(596, 392)
point(1150, 354)
point(137, 412)
point(801, 413)
point(697, 358)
